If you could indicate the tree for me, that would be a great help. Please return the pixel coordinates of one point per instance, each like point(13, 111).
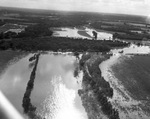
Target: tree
point(94, 34)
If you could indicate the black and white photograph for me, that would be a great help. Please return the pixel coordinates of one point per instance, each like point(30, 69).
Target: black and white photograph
point(74, 59)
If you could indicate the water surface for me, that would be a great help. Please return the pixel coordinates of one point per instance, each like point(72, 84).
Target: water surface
point(54, 93)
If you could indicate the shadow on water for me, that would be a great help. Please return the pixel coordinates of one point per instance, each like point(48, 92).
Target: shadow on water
point(28, 107)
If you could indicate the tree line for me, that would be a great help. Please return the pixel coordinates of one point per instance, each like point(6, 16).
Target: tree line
point(60, 44)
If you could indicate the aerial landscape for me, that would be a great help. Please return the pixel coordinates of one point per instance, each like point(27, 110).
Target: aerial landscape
point(74, 64)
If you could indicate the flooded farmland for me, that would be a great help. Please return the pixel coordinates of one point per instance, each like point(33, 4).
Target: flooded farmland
point(54, 92)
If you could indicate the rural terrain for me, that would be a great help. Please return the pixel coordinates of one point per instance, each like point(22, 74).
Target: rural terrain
point(74, 64)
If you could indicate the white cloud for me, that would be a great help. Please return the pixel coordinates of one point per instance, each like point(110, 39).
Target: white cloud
point(112, 6)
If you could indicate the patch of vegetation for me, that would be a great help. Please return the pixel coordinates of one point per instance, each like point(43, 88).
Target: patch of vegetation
point(32, 31)
point(59, 44)
point(2, 23)
point(95, 83)
point(37, 30)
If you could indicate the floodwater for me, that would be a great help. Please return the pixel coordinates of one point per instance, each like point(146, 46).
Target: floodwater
point(47, 88)
point(127, 71)
point(86, 33)
point(55, 89)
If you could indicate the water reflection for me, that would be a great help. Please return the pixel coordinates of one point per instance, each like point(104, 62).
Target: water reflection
point(55, 88)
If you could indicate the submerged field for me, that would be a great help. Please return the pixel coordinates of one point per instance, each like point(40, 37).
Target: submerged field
point(129, 76)
point(44, 87)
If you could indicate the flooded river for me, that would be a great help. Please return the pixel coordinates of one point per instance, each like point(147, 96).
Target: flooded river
point(54, 93)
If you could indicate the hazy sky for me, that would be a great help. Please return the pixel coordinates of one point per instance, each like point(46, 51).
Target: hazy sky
point(141, 7)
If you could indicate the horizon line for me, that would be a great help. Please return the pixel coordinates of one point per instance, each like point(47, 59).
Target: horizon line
point(57, 10)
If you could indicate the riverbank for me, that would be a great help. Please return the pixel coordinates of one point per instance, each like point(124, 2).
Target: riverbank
point(96, 90)
point(128, 76)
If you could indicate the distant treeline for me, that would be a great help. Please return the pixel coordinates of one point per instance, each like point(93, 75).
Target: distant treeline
point(37, 30)
point(62, 18)
point(59, 44)
point(26, 14)
point(123, 31)
point(132, 36)
point(115, 28)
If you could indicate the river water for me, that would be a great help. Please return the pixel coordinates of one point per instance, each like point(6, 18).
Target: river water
point(55, 89)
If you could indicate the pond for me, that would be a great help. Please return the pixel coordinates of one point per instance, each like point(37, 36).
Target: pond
point(48, 82)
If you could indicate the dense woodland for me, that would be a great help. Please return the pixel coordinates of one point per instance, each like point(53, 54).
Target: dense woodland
point(94, 82)
point(59, 44)
point(31, 31)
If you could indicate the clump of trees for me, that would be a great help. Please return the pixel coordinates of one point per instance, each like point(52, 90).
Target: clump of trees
point(2, 23)
point(95, 34)
point(32, 31)
point(7, 35)
point(38, 30)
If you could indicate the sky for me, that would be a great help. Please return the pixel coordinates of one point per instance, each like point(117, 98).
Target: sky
point(138, 7)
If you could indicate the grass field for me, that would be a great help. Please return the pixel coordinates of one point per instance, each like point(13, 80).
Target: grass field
point(134, 74)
